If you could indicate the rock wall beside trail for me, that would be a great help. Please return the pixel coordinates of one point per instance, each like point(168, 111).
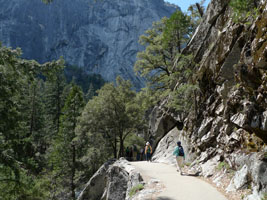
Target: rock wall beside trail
point(112, 181)
point(166, 146)
point(229, 129)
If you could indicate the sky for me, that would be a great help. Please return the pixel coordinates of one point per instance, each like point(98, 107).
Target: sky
point(184, 4)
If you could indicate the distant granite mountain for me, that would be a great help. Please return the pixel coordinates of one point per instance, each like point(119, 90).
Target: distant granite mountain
point(101, 36)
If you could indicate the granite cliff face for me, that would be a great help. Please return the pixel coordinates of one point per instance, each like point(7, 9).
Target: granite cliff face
point(101, 36)
point(227, 135)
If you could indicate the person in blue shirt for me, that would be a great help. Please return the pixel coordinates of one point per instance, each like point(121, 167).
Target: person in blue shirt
point(180, 156)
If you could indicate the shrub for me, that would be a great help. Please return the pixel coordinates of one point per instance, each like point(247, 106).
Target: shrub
point(264, 196)
point(136, 189)
point(223, 165)
point(243, 9)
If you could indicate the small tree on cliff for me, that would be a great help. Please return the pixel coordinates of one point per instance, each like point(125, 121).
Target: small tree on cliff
point(164, 43)
point(169, 71)
point(243, 10)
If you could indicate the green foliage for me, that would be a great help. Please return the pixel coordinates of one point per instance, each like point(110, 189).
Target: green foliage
point(111, 116)
point(47, 1)
point(136, 189)
point(21, 121)
point(195, 14)
point(83, 79)
point(182, 98)
point(164, 43)
point(134, 139)
point(264, 196)
point(243, 10)
point(151, 63)
point(27, 188)
point(65, 148)
point(54, 98)
point(169, 71)
point(187, 164)
point(223, 165)
point(176, 31)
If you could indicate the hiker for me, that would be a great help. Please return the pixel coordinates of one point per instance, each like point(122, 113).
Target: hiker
point(134, 152)
point(131, 154)
point(142, 154)
point(180, 156)
point(127, 152)
point(148, 151)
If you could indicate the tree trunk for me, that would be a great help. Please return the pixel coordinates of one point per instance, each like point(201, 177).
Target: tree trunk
point(115, 148)
point(32, 111)
point(73, 172)
point(58, 105)
point(200, 10)
point(121, 153)
point(195, 103)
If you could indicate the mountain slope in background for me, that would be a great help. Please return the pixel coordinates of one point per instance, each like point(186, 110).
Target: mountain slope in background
point(101, 36)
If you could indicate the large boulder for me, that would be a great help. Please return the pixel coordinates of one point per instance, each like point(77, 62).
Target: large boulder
point(166, 146)
point(240, 179)
point(160, 123)
point(113, 181)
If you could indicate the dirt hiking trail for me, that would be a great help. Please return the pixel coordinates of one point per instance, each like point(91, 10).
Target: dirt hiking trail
point(177, 187)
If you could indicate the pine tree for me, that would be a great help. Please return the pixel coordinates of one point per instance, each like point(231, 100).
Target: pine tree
point(163, 63)
point(21, 122)
point(196, 12)
point(111, 116)
point(65, 151)
point(54, 102)
point(90, 93)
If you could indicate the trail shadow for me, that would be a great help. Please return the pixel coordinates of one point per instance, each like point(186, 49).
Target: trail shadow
point(190, 174)
point(164, 198)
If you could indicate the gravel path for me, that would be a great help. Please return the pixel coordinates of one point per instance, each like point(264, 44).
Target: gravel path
point(177, 187)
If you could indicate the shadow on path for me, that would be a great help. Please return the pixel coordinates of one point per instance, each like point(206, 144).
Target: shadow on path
point(164, 198)
point(188, 174)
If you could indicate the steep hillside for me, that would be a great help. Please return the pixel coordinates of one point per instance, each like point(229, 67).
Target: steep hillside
point(101, 36)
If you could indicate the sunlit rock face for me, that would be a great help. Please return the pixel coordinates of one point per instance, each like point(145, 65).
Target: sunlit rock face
point(228, 126)
point(113, 181)
point(101, 36)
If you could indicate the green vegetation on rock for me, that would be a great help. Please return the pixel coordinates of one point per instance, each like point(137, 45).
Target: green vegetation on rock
point(244, 9)
point(136, 189)
point(169, 71)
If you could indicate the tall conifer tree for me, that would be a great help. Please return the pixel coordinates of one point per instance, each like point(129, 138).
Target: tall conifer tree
point(65, 151)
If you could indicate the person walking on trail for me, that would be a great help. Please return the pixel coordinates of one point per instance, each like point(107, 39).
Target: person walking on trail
point(180, 156)
point(148, 151)
point(134, 152)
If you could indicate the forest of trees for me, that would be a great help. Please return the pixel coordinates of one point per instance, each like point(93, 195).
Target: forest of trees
point(58, 125)
point(53, 136)
point(56, 129)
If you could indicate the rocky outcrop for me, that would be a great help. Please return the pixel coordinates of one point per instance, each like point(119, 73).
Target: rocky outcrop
point(228, 133)
point(112, 181)
point(166, 146)
point(160, 124)
point(100, 36)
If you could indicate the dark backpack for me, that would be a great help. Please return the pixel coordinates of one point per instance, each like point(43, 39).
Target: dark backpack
point(181, 151)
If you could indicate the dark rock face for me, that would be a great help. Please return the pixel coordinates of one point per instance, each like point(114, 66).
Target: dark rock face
point(101, 36)
point(160, 123)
